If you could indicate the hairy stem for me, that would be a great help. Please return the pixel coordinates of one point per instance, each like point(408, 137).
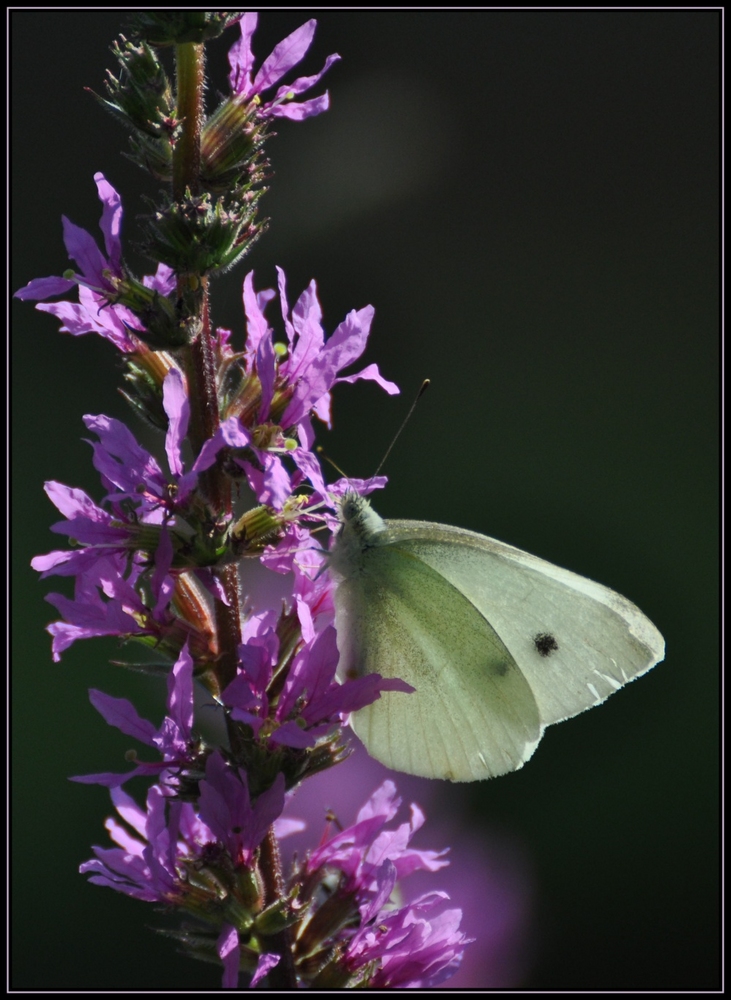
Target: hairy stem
point(284, 975)
point(201, 359)
point(190, 64)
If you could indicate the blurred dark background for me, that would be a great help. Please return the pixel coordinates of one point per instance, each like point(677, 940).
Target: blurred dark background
point(530, 201)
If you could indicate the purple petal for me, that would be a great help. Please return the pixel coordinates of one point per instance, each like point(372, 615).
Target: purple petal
point(356, 694)
point(257, 327)
point(308, 463)
point(53, 563)
point(303, 83)
point(284, 56)
point(307, 322)
point(284, 306)
point(93, 314)
point(109, 779)
point(297, 111)
point(72, 502)
point(44, 288)
point(230, 434)
point(229, 952)
point(268, 808)
point(266, 962)
point(66, 633)
point(162, 281)
point(120, 458)
point(311, 675)
point(224, 801)
point(384, 803)
point(386, 882)
point(266, 369)
point(82, 248)
point(291, 735)
point(240, 56)
point(286, 826)
point(130, 812)
point(180, 691)
point(372, 372)
point(162, 584)
point(111, 221)
point(177, 407)
point(272, 484)
point(346, 344)
point(121, 713)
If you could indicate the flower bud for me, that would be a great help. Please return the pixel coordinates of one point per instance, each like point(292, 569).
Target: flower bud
point(201, 234)
point(231, 144)
point(175, 27)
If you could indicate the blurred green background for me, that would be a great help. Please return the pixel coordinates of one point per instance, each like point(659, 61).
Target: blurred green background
point(530, 201)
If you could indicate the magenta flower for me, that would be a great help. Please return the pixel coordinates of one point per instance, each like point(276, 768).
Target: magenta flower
point(96, 269)
point(284, 56)
point(172, 835)
point(173, 739)
point(300, 385)
point(93, 314)
point(99, 532)
point(135, 475)
point(312, 700)
point(96, 311)
point(487, 877)
point(143, 868)
point(313, 363)
point(108, 602)
point(141, 494)
point(402, 948)
point(360, 850)
point(195, 860)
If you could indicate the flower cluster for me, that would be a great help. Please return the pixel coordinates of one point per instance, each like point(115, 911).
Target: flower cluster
point(156, 561)
point(345, 930)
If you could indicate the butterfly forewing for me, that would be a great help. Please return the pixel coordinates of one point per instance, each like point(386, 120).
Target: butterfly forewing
point(473, 714)
point(575, 641)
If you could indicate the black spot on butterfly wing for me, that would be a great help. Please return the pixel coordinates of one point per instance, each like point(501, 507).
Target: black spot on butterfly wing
point(545, 643)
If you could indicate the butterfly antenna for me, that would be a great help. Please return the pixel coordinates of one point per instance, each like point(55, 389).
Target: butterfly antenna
point(321, 451)
point(422, 389)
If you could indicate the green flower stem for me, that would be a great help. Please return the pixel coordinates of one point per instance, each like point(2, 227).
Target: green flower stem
point(201, 372)
point(190, 65)
point(200, 356)
point(202, 385)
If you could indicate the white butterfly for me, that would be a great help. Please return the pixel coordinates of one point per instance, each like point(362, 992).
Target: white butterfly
point(497, 643)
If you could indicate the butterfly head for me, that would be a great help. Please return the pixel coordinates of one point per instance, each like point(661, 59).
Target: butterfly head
point(359, 526)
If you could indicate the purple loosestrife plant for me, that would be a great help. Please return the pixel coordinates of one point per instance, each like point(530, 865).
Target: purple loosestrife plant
point(155, 558)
